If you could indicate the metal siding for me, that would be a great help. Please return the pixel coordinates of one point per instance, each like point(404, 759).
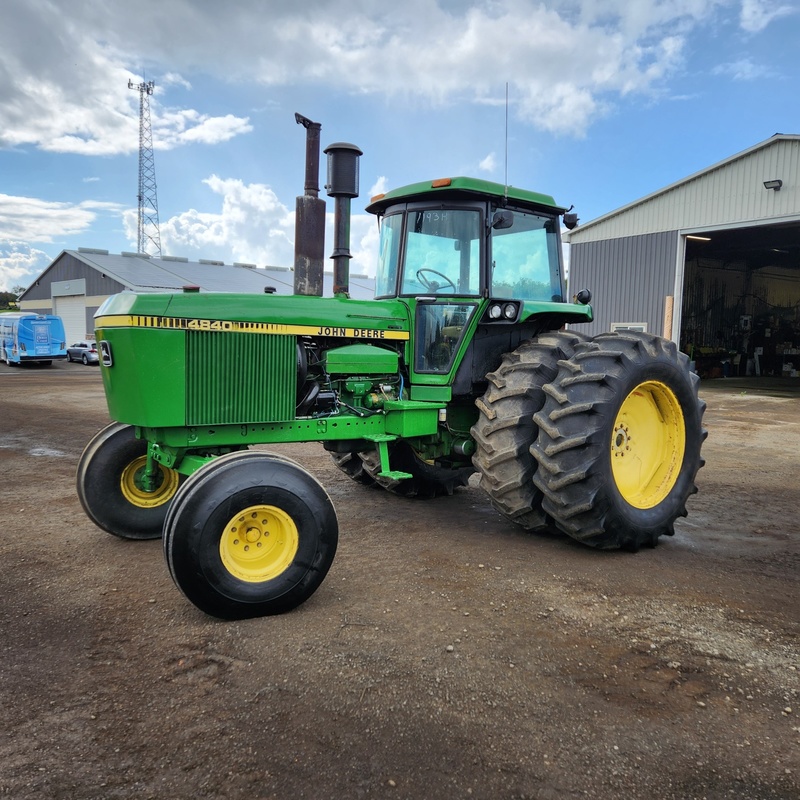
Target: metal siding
point(629, 279)
point(69, 268)
point(732, 192)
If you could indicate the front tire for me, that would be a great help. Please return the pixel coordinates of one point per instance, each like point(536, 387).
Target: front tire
point(619, 441)
point(250, 534)
point(505, 431)
point(110, 489)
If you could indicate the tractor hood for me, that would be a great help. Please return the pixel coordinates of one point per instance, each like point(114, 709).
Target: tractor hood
point(278, 314)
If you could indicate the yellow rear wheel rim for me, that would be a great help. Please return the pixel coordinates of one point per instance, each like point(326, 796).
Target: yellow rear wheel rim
point(259, 543)
point(648, 444)
point(131, 484)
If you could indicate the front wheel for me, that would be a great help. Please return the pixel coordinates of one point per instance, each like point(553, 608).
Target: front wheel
point(110, 486)
point(250, 534)
point(619, 440)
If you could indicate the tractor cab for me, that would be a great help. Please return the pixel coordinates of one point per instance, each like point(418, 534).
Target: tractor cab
point(463, 252)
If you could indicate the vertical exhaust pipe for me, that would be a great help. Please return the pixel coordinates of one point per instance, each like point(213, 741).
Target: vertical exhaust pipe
point(309, 230)
point(342, 185)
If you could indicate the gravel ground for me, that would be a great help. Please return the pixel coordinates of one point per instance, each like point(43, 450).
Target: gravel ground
point(448, 653)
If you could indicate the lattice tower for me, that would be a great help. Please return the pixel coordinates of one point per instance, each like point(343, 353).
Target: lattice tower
point(149, 237)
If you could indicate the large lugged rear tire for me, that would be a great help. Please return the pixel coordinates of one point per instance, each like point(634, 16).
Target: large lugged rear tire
point(110, 488)
point(427, 481)
point(353, 466)
point(505, 430)
point(250, 534)
point(619, 441)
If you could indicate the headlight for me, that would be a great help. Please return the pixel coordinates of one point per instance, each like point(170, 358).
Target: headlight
point(509, 311)
point(495, 311)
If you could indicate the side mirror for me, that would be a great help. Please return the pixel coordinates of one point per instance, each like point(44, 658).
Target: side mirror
point(584, 297)
point(502, 219)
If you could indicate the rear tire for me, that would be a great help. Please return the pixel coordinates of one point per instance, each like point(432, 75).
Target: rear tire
point(250, 534)
point(110, 490)
point(428, 480)
point(619, 441)
point(353, 466)
point(505, 430)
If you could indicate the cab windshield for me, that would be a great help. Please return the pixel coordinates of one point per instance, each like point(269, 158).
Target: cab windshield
point(442, 253)
point(437, 252)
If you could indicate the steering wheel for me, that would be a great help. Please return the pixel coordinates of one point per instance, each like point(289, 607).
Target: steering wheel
point(433, 286)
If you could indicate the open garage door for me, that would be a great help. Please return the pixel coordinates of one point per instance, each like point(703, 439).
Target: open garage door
point(741, 301)
point(72, 311)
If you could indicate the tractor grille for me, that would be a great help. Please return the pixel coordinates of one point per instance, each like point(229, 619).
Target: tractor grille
point(236, 378)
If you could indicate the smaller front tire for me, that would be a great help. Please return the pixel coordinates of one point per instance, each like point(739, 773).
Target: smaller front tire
point(110, 488)
point(249, 535)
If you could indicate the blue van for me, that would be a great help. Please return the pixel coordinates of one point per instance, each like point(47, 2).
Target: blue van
point(26, 338)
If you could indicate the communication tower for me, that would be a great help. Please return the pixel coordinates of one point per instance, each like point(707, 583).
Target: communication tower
point(149, 237)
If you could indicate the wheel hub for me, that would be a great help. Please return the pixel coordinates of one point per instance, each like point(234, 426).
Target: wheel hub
point(648, 443)
point(132, 484)
point(259, 543)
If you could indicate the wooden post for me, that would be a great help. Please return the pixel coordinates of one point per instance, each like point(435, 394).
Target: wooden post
point(669, 301)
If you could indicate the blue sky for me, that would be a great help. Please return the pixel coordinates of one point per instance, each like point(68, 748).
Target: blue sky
point(609, 100)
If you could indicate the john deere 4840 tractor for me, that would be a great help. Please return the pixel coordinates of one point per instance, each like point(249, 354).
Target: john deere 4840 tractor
point(461, 364)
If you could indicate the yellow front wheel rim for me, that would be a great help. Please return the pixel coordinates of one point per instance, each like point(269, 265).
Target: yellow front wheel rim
point(131, 484)
point(259, 543)
point(648, 444)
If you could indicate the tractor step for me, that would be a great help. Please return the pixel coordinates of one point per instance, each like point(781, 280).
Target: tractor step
point(382, 441)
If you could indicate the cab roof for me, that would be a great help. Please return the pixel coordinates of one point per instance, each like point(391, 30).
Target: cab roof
point(462, 188)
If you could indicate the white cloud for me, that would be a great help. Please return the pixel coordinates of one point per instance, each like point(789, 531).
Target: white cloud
point(251, 226)
point(364, 237)
point(488, 164)
point(174, 79)
point(34, 220)
point(254, 227)
point(64, 86)
point(20, 264)
point(175, 127)
point(757, 14)
point(565, 63)
point(381, 186)
point(743, 70)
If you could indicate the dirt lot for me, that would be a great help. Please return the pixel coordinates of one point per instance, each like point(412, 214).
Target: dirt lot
point(447, 655)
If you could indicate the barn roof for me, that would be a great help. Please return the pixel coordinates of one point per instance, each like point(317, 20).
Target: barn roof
point(142, 273)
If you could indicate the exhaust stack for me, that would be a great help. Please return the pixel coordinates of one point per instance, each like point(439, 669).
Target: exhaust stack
point(342, 186)
point(309, 231)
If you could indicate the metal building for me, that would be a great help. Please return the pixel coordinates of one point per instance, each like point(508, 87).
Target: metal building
point(78, 281)
point(711, 261)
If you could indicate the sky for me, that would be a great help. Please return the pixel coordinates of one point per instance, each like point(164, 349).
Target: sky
point(595, 102)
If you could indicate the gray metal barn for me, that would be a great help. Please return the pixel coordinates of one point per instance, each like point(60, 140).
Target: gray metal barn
point(78, 281)
point(711, 261)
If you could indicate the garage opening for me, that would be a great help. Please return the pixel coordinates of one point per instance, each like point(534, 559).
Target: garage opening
point(741, 301)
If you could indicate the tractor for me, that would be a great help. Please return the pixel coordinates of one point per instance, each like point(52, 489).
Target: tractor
point(465, 362)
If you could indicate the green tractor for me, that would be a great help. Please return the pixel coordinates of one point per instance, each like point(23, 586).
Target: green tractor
point(461, 364)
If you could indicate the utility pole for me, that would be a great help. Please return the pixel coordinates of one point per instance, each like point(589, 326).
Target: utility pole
point(149, 237)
